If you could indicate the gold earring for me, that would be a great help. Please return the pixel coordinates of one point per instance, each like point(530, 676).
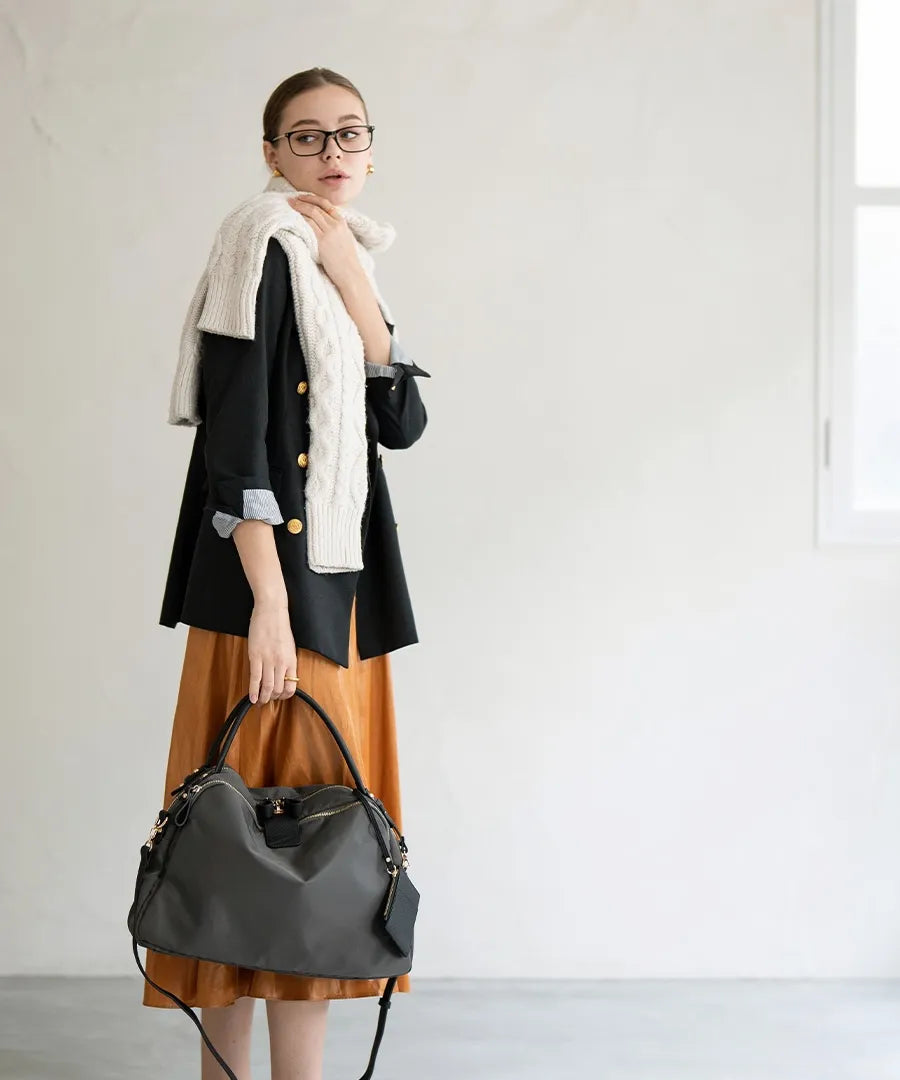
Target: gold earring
point(370, 168)
point(276, 171)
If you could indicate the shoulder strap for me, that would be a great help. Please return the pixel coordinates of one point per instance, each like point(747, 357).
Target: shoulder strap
point(383, 1002)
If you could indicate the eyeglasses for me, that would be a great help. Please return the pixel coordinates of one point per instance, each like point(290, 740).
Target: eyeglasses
point(310, 141)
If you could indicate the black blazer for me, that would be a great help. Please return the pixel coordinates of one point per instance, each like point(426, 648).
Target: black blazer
point(254, 403)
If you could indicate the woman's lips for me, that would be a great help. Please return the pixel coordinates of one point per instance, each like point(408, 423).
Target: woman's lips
point(334, 180)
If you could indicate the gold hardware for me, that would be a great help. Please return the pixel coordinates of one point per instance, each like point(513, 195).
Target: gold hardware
point(395, 875)
point(279, 808)
point(157, 828)
point(329, 813)
point(324, 787)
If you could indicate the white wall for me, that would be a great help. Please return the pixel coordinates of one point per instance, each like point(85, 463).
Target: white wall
point(650, 728)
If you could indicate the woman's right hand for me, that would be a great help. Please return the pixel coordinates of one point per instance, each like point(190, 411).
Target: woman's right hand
point(272, 652)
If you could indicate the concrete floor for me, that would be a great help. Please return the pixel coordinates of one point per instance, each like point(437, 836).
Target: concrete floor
point(97, 1029)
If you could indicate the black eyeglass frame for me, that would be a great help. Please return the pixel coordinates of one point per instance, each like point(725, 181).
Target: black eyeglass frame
point(347, 127)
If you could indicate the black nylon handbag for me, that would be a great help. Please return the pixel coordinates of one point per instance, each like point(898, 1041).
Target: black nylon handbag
point(307, 880)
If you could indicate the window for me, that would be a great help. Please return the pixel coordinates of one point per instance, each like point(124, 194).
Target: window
point(859, 273)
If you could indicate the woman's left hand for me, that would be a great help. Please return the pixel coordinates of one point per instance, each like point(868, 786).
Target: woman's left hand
point(337, 244)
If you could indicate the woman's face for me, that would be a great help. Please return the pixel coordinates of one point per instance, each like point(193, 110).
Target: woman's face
point(328, 108)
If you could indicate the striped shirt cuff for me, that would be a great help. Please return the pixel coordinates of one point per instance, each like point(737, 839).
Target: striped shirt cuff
point(398, 356)
point(260, 504)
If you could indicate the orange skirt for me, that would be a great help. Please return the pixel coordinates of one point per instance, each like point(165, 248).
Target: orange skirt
point(279, 743)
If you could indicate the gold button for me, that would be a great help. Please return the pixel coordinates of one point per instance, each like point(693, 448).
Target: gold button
point(295, 525)
point(302, 387)
point(303, 460)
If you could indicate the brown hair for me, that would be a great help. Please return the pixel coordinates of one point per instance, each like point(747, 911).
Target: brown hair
point(296, 84)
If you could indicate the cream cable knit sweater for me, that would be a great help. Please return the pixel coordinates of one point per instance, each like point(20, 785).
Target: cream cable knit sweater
point(225, 303)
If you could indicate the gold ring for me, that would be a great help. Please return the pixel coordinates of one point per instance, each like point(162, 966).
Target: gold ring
point(291, 678)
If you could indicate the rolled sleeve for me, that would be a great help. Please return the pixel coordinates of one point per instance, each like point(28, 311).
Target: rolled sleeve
point(235, 376)
point(260, 504)
point(399, 368)
point(395, 398)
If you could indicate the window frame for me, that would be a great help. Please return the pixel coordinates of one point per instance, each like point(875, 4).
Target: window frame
point(839, 197)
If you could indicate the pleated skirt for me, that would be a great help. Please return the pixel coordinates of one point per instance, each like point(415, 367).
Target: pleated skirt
point(279, 743)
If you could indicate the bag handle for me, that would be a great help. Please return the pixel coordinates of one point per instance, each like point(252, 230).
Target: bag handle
point(218, 751)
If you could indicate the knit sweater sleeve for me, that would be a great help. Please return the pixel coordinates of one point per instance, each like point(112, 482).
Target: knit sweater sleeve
point(235, 375)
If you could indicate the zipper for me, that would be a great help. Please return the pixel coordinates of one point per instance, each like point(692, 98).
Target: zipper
point(328, 813)
point(197, 788)
point(395, 874)
point(325, 787)
point(280, 800)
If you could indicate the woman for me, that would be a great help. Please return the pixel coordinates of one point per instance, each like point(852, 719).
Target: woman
point(259, 618)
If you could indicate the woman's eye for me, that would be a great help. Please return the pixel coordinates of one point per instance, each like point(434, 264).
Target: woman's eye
point(349, 133)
